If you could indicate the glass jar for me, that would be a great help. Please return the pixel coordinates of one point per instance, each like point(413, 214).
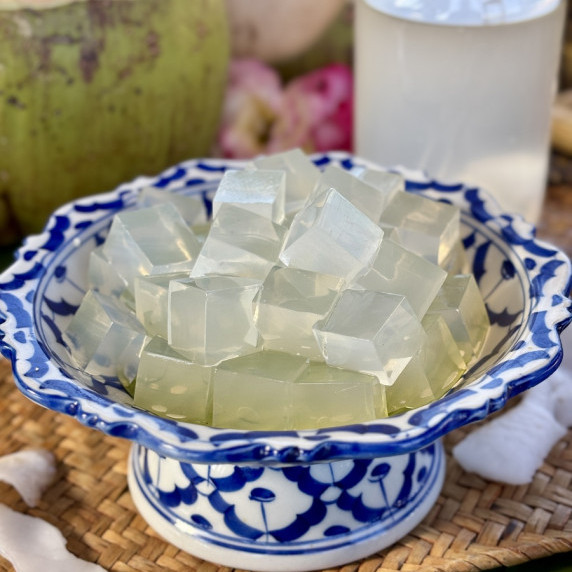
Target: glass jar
point(461, 89)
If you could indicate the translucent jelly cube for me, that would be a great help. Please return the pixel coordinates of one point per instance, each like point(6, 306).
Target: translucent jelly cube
point(152, 301)
point(201, 231)
point(444, 363)
point(290, 302)
point(426, 227)
point(192, 208)
point(172, 386)
point(325, 396)
point(105, 338)
point(400, 271)
point(369, 199)
point(103, 276)
point(260, 191)
point(301, 175)
point(385, 182)
point(460, 303)
point(241, 243)
point(410, 390)
point(434, 369)
point(456, 262)
point(254, 392)
point(155, 240)
point(331, 236)
point(390, 233)
point(211, 319)
point(371, 332)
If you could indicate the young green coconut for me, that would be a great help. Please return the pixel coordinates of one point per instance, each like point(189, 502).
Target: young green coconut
point(96, 92)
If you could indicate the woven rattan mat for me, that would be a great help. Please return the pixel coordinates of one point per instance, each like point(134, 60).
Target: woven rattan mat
point(475, 525)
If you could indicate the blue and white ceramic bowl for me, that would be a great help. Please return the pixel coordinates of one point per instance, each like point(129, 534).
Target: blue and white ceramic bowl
point(284, 500)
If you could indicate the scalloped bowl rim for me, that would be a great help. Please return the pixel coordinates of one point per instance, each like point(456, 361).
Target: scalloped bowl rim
point(401, 434)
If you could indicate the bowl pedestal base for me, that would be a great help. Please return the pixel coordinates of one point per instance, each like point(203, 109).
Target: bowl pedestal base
point(288, 517)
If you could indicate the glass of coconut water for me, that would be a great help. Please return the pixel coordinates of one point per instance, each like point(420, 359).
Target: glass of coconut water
point(461, 89)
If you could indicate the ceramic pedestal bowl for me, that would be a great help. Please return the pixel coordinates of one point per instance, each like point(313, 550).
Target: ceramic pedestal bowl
point(285, 500)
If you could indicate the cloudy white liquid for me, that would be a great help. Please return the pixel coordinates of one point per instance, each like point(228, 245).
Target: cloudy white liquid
point(462, 98)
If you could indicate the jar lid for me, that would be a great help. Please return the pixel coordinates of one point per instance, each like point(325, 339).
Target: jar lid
point(465, 12)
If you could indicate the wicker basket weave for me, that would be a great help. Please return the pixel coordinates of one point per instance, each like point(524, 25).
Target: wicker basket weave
point(475, 525)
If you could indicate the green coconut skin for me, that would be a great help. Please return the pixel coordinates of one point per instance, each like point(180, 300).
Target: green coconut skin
point(97, 92)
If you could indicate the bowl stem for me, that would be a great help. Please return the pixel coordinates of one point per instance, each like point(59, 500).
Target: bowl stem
point(285, 518)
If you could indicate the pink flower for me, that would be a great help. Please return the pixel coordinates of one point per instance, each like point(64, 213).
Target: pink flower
point(313, 112)
point(252, 102)
point(316, 112)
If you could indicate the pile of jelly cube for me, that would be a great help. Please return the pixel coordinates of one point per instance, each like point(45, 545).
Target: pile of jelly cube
point(314, 299)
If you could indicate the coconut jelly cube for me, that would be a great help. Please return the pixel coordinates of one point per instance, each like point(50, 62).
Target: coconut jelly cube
point(388, 184)
point(389, 233)
point(371, 332)
point(426, 227)
point(290, 302)
point(400, 271)
point(254, 392)
point(211, 318)
point(260, 191)
point(172, 386)
point(460, 303)
point(102, 276)
point(434, 369)
point(105, 338)
point(325, 396)
point(369, 199)
point(301, 175)
point(331, 236)
point(456, 262)
point(152, 301)
point(155, 240)
point(240, 242)
point(192, 208)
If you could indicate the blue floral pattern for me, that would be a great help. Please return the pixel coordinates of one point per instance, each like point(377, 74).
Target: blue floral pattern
point(288, 510)
point(524, 281)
